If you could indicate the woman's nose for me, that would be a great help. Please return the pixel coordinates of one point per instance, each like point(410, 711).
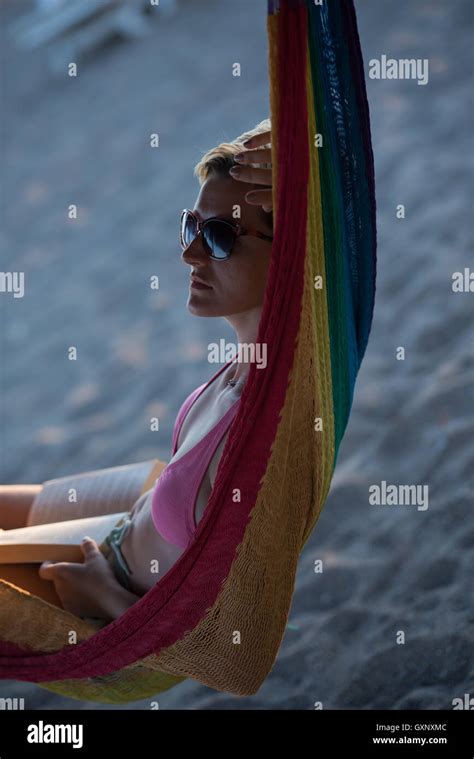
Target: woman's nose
point(195, 252)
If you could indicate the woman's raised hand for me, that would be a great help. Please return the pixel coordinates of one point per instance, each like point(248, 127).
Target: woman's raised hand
point(254, 153)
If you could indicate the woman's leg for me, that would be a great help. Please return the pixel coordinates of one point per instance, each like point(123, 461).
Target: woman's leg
point(15, 503)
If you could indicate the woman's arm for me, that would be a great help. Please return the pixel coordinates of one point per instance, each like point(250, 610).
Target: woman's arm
point(116, 601)
point(89, 589)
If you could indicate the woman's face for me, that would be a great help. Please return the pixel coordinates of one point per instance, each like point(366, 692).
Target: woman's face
point(238, 283)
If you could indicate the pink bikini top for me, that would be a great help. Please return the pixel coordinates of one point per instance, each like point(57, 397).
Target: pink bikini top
point(176, 489)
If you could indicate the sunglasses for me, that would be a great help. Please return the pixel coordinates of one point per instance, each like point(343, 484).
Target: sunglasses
point(218, 235)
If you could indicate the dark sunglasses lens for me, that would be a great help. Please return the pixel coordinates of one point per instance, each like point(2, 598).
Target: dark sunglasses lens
point(220, 238)
point(188, 229)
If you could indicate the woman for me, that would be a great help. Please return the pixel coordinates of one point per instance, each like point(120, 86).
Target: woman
point(228, 269)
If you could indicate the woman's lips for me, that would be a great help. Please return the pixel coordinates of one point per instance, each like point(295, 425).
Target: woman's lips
point(199, 285)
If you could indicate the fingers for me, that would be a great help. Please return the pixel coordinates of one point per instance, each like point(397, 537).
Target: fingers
point(50, 569)
point(262, 155)
point(251, 174)
point(245, 172)
point(258, 139)
point(89, 547)
point(262, 198)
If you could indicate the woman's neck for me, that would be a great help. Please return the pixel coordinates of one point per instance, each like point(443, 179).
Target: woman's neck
point(246, 326)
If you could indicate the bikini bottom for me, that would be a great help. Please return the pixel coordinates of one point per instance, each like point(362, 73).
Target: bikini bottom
point(114, 553)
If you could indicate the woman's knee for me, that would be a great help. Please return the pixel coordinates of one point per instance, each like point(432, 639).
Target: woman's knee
point(15, 504)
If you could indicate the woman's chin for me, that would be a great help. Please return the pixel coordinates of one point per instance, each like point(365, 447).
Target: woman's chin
point(200, 309)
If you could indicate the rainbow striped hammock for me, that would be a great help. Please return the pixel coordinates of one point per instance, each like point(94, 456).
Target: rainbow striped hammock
point(219, 615)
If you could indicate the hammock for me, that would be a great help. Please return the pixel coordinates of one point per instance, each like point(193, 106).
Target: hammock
point(219, 614)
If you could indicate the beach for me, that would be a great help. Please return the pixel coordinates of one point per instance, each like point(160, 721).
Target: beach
point(389, 621)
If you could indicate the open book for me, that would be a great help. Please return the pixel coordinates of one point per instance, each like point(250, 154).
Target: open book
point(56, 525)
point(22, 550)
point(90, 494)
point(55, 541)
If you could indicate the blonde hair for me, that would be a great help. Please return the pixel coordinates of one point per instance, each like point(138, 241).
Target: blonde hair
point(217, 161)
